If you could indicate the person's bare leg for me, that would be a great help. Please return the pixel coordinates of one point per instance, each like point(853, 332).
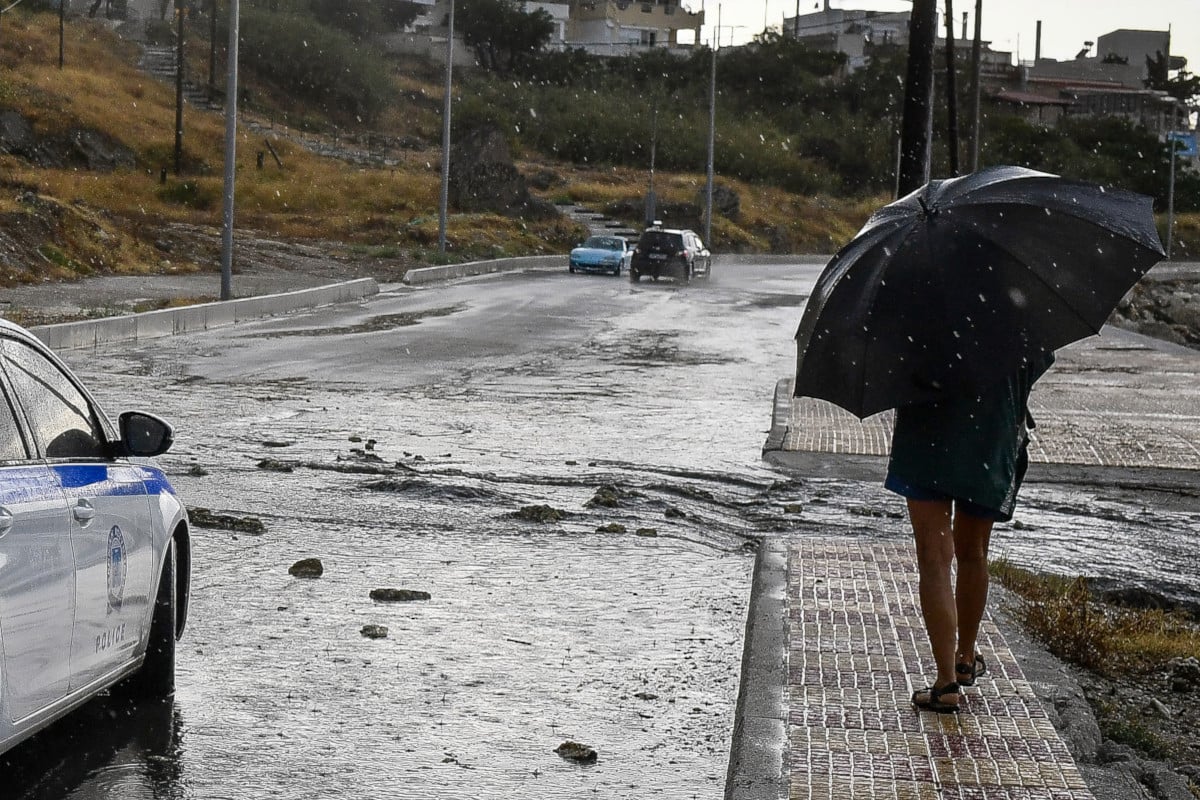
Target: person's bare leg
point(935, 552)
point(971, 537)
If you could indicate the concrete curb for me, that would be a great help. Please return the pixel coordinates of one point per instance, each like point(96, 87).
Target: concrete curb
point(758, 767)
point(189, 319)
point(447, 272)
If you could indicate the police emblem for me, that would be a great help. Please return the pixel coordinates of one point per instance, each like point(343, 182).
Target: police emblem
point(116, 569)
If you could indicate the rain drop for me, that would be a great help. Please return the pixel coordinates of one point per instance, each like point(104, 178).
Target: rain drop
point(1018, 297)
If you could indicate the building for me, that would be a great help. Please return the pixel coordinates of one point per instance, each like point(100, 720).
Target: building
point(1110, 83)
point(622, 27)
point(849, 31)
point(601, 27)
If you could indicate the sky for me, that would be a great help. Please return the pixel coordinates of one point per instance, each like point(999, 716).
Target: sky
point(1009, 24)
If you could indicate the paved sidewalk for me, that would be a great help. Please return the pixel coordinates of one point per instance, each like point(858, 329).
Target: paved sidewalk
point(857, 645)
point(1120, 408)
point(1111, 404)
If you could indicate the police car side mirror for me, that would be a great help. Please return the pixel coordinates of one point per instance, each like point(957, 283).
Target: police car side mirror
point(144, 434)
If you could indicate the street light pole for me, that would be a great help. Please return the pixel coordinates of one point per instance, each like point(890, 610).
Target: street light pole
point(651, 199)
point(231, 100)
point(712, 137)
point(62, 24)
point(446, 104)
point(179, 11)
point(212, 50)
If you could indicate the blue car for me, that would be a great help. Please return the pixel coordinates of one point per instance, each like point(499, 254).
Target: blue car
point(601, 254)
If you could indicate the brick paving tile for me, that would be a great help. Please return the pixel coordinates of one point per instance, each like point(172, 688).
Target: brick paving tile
point(857, 652)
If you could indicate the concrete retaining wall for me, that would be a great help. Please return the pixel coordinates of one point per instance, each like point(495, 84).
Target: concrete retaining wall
point(188, 319)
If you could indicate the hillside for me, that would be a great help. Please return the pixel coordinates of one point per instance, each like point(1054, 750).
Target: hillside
point(88, 151)
point(87, 148)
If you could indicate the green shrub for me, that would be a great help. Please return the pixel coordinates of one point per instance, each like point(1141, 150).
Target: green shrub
point(315, 63)
point(191, 194)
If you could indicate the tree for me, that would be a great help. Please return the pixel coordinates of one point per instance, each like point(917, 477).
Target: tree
point(363, 19)
point(502, 34)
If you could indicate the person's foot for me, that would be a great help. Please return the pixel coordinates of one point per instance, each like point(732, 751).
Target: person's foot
point(943, 700)
point(966, 673)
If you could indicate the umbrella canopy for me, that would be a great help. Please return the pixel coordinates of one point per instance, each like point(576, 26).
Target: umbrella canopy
point(953, 286)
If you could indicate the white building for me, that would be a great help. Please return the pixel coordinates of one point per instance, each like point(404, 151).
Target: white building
point(622, 27)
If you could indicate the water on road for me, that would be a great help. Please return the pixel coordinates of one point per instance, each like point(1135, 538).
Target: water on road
point(415, 441)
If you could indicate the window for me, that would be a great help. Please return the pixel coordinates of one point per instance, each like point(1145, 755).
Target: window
point(12, 447)
point(63, 423)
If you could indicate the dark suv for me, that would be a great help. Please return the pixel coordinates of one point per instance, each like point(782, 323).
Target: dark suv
point(669, 253)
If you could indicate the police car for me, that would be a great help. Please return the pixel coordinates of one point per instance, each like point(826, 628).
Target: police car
point(94, 546)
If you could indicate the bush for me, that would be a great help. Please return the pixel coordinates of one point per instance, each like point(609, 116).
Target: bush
point(193, 194)
point(315, 63)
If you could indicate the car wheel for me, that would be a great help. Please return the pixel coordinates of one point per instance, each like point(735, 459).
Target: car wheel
point(156, 678)
point(687, 272)
point(571, 270)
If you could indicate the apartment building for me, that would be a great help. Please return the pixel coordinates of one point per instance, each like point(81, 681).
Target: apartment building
point(622, 27)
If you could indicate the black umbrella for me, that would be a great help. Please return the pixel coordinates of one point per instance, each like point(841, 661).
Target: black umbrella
point(951, 287)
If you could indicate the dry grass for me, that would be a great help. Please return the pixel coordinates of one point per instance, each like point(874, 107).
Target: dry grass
point(313, 197)
point(1078, 628)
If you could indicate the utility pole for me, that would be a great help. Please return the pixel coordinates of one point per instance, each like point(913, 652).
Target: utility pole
point(179, 12)
point(445, 199)
point(712, 139)
point(951, 90)
point(796, 22)
point(976, 57)
point(1171, 183)
point(918, 97)
point(231, 101)
point(62, 25)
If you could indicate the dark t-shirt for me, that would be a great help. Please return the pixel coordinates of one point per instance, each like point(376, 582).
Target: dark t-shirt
point(970, 447)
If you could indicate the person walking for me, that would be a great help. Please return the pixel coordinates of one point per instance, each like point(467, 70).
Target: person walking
point(959, 462)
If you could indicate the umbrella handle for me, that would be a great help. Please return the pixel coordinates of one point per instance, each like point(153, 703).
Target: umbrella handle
point(929, 212)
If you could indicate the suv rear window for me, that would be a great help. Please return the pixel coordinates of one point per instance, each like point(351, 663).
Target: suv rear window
point(660, 240)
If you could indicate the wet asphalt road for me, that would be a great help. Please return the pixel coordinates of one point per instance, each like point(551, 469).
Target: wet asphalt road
point(481, 398)
point(395, 440)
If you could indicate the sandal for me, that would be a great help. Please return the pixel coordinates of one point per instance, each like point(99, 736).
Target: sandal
point(930, 699)
point(967, 673)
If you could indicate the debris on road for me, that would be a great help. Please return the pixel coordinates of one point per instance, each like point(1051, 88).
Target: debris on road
point(307, 568)
point(205, 518)
point(399, 595)
point(574, 751)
